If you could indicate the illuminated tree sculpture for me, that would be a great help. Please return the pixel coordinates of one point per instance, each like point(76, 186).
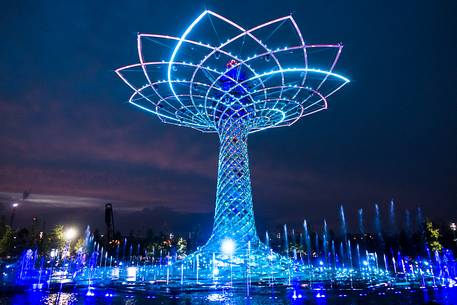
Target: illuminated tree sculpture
point(223, 78)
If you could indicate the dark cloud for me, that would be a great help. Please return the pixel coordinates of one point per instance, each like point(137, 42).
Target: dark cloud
point(129, 216)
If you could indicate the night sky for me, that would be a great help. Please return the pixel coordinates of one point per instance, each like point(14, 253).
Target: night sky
point(68, 135)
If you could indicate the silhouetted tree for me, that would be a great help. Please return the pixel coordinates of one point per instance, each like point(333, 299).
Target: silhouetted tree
point(6, 241)
point(433, 236)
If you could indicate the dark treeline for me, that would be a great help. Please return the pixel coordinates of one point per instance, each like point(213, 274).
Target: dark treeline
point(410, 236)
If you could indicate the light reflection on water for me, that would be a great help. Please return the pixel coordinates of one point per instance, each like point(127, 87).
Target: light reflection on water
point(264, 296)
point(59, 299)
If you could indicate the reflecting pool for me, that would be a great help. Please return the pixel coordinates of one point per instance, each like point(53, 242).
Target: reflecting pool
point(260, 295)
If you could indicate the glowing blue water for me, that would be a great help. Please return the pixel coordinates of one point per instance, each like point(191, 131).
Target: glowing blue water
point(260, 296)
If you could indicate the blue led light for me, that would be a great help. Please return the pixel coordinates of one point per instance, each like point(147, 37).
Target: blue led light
point(178, 45)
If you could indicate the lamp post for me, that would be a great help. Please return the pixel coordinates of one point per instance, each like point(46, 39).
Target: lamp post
point(69, 235)
point(453, 227)
point(13, 213)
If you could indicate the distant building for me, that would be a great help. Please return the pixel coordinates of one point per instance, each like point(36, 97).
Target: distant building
point(109, 221)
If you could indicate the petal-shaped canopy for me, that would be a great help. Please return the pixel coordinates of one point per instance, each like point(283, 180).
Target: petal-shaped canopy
point(217, 70)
